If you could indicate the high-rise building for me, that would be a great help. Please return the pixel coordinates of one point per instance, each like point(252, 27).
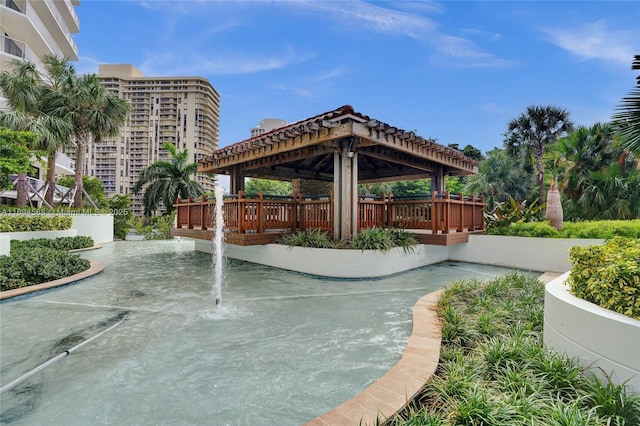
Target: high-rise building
point(31, 29)
point(267, 125)
point(184, 111)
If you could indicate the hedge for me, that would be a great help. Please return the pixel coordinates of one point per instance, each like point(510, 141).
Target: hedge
point(608, 275)
point(602, 229)
point(60, 243)
point(38, 265)
point(26, 223)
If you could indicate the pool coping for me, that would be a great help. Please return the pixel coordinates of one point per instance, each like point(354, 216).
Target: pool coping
point(95, 268)
point(391, 393)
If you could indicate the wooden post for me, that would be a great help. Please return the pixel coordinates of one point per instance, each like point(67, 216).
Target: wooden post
point(203, 210)
point(260, 213)
point(461, 226)
point(241, 212)
point(435, 216)
point(446, 213)
point(189, 224)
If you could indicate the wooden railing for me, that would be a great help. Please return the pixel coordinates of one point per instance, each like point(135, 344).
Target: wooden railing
point(439, 213)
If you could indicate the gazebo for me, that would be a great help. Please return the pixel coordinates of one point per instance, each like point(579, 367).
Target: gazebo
point(345, 148)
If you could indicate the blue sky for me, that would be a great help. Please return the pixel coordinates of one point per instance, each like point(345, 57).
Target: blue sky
point(455, 71)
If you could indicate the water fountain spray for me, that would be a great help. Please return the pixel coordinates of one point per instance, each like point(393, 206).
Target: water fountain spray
point(217, 244)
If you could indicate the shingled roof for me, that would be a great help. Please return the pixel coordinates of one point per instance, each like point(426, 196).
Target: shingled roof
point(305, 149)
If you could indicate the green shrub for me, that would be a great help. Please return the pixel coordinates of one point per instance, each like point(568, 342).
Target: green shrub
point(504, 214)
point(602, 229)
point(60, 243)
point(372, 239)
point(526, 229)
point(316, 238)
point(26, 223)
point(38, 265)
point(605, 229)
point(608, 275)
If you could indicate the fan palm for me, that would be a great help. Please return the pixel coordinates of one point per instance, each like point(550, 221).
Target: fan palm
point(95, 114)
point(530, 136)
point(499, 179)
point(34, 101)
point(167, 181)
point(627, 119)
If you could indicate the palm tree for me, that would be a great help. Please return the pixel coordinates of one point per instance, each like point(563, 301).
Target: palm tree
point(34, 102)
point(168, 181)
point(499, 179)
point(95, 114)
point(627, 119)
point(531, 135)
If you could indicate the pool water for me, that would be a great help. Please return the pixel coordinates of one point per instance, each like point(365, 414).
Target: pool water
point(282, 349)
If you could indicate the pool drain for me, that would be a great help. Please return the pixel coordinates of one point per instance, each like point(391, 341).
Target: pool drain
point(55, 359)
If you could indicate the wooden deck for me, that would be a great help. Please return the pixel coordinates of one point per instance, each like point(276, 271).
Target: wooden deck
point(437, 219)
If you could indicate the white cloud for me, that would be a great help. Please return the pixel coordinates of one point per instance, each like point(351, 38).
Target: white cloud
point(221, 64)
point(374, 17)
point(595, 41)
point(300, 91)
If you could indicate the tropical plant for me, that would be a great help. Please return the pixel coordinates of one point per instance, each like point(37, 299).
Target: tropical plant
point(95, 114)
point(35, 105)
point(499, 179)
point(315, 238)
point(506, 213)
point(531, 134)
point(627, 117)
point(167, 181)
point(14, 154)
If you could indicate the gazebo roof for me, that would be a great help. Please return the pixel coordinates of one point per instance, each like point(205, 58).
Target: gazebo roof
point(305, 149)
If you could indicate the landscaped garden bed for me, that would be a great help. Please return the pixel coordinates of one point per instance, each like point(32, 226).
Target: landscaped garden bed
point(494, 368)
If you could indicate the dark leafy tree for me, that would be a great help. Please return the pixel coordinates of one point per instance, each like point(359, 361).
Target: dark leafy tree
point(14, 154)
point(166, 181)
point(268, 187)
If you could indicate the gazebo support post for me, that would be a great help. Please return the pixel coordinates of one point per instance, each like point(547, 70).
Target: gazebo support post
point(345, 184)
point(438, 181)
point(236, 180)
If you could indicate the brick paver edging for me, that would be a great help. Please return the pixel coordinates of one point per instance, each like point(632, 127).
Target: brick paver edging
point(392, 392)
point(95, 268)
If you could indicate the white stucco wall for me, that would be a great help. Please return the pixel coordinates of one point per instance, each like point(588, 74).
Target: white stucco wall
point(598, 337)
point(534, 254)
point(98, 227)
point(333, 263)
point(5, 245)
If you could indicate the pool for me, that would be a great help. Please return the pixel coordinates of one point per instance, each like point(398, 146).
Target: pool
point(282, 349)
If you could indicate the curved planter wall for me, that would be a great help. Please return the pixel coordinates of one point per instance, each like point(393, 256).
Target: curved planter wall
point(331, 262)
point(600, 338)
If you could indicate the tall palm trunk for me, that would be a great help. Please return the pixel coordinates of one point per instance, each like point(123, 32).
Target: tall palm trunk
point(21, 190)
point(80, 160)
point(51, 177)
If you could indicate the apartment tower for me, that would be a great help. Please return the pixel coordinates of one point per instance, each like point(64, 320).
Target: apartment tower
point(31, 29)
point(184, 111)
